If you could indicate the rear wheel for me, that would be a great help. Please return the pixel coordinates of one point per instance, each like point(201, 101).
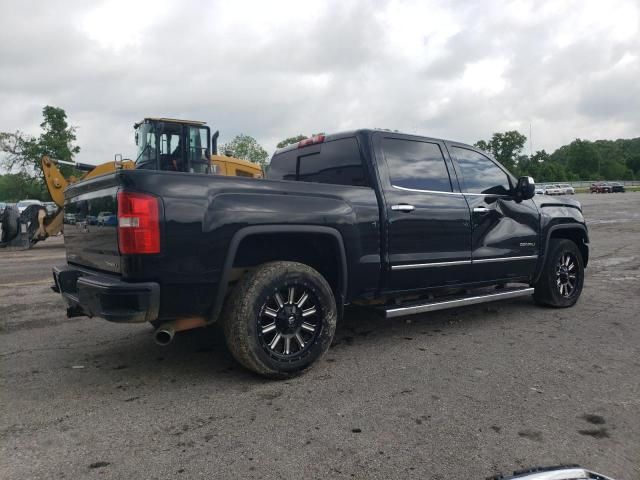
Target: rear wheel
point(280, 319)
point(562, 278)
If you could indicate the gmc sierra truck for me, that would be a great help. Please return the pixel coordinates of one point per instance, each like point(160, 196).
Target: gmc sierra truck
point(401, 223)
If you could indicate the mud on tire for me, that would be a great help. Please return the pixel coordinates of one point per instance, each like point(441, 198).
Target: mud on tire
point(562, 278)
point(280, 319)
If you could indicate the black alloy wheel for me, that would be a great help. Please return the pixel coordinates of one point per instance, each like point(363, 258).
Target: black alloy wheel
point(562, 278)
point(289, 322)
point(280, 319)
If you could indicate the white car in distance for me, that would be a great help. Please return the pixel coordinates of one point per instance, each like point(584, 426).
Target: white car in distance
point(553, 190)
point(567, 189)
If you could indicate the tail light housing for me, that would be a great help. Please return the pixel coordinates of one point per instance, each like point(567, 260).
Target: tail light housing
point(138, 223)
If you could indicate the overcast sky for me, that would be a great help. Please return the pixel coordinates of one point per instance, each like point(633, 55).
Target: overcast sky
point(271, 69)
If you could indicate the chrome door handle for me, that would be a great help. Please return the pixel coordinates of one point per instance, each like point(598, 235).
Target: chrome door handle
point(481, 210)
point(403, 207)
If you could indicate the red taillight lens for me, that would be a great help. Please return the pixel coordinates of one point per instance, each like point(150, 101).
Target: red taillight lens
point(138, 223)
point(311, 141)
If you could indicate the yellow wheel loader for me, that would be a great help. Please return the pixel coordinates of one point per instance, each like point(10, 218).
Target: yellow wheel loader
point(163, 144)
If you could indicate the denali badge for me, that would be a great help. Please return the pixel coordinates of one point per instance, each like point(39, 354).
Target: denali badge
point(527, 244)
point(111, 264)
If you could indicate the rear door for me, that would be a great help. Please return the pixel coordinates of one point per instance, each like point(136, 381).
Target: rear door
point(428, 231)
point(505, 232)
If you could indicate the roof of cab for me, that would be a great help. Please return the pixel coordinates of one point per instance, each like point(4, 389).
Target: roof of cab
point(172, 120)
point(353, 133)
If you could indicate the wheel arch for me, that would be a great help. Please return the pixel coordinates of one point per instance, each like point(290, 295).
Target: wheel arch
point(244, 236)
point(574, 232)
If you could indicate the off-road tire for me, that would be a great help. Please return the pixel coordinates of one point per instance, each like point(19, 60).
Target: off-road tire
point(548, 290)
point(244, 313)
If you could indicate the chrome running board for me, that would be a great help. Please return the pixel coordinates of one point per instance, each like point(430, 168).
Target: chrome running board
point(392, 312)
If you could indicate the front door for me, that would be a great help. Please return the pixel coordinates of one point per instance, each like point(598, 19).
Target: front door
point(428, 232)
point(505, 232)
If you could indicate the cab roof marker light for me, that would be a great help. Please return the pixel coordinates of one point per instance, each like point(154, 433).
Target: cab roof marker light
point(311, 141)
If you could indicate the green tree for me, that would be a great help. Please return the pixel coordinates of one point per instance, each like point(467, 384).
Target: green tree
point(581, 158)
point(23, 152)
point(18, 186)
point(246, 148)
point(505, 147)
point(552, 172)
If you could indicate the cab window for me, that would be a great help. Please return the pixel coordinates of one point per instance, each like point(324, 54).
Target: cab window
point(480, 174)
point(416, 165)
point(336, 162)
point(199, 157)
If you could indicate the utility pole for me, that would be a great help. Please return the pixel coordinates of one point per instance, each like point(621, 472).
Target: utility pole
point(530, 142)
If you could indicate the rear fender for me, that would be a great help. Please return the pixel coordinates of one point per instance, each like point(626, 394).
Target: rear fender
point(266, 229)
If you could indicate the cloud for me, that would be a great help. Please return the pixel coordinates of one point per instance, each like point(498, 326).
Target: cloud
point(452, 69)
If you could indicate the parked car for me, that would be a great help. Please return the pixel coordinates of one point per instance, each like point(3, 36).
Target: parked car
point(91, 220)
point(567, 189)
point(600, 187)
point(553, 190)
point(540, 189)
point(616, 187)
point(51, 207)
point(23, 204)
point(369, 217)
point(69, 219)
point(103, 218)
point(2, 207)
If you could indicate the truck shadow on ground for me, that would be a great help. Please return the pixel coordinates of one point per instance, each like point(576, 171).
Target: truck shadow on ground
point(203, 353)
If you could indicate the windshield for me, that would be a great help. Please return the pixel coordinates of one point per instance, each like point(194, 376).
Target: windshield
point(146, 139)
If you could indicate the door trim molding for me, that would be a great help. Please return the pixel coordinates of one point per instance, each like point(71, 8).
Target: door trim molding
point(506, 259)
point(412, 266)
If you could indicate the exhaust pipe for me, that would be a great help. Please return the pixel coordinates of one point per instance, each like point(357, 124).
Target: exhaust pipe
point(164, 335)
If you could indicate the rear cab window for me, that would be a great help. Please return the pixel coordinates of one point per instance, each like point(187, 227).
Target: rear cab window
point(335, 162)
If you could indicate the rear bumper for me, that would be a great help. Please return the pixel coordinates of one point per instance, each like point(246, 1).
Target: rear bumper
point(92, 294)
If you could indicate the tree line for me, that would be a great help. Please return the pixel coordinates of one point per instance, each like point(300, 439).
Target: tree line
point(579, 160)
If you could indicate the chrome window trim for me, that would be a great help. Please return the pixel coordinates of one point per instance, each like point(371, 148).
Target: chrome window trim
point(488, 195)
point(424, 191)
point(450, 193)
point(412, 266)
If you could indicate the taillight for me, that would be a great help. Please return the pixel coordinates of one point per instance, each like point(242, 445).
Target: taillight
point(311, 141)
point(138, 223)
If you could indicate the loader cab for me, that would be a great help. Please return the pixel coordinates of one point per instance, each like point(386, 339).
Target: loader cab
point(173, 145)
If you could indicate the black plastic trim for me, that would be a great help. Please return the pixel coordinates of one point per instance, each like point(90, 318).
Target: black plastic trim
point(261, 229)
point(98, 295)
point(543, 254)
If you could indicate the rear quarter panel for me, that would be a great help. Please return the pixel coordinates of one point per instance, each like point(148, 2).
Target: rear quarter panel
point(202, 214)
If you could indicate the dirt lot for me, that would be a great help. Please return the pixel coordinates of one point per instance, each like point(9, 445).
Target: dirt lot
point(461, 394)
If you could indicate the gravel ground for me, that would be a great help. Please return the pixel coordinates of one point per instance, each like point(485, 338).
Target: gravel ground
point(460, 394)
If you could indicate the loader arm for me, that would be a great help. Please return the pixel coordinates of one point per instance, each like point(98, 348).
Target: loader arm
point(53, 177)
point(56, 182)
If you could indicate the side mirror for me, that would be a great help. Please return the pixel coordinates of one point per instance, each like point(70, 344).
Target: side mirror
point(525, 189)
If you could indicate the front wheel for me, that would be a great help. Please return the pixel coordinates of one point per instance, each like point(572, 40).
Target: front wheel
point(562, 278)
point(280, 319)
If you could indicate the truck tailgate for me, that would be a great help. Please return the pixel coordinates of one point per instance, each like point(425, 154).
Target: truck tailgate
point(90, 224)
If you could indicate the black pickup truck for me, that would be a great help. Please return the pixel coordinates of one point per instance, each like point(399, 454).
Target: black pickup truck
point(401, 223)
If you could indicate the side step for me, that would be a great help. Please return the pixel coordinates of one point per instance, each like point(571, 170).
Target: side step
point(393, 312)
